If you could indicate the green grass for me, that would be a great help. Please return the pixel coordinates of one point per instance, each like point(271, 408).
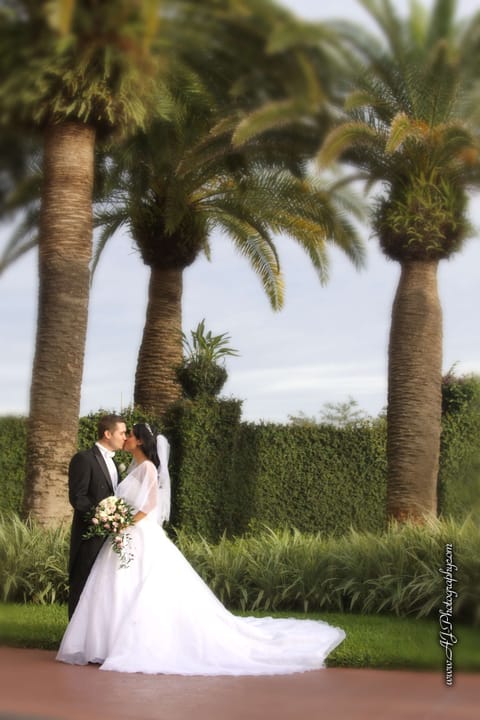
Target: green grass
point(373, 641)
point(32, 626)
point(378, 641)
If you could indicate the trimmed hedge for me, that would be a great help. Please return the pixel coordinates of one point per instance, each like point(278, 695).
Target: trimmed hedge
point(13, 438)
point(233, 477)
point(203, 436)
point(313, 478)
point(459, 476)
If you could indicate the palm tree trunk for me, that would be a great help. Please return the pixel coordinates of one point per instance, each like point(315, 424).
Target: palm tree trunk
point(414, 394)
point(65, 246)
point(160, 353)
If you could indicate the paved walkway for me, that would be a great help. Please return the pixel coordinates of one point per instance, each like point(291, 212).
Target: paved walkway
point(35, 687)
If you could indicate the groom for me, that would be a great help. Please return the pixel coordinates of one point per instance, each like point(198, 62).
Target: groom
point(92, 476)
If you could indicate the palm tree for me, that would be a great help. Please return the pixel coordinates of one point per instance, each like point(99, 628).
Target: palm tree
point(240, 168)
point(70, 71)
point(171, 204)
point(407, 129)
point(263, 69)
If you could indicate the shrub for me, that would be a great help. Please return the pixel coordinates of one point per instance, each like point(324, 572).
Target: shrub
point(33, 562)
point(394, 572)
point(313, 478)
point(229, 476)
point(201, 374)
point(199, 378)
point(203, 438)
point(13, 436)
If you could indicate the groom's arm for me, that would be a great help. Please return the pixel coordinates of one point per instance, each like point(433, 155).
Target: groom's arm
point(79, 475)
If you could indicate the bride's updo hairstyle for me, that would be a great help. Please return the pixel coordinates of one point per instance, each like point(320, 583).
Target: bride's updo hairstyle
point(143, 432)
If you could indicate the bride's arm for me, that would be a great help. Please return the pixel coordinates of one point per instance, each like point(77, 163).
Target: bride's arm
point(148, 496)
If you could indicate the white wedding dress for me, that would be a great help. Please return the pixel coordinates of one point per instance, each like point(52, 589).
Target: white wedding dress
point(158, 616)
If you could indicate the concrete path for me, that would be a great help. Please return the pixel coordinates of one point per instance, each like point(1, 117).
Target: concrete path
point(33, 686)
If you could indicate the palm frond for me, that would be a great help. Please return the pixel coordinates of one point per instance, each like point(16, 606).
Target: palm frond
point(110, 223)
point(344, 137)
point(258, 250)
point(22, 241)
point(271, 115)
point(404, 128)
point(441, 21)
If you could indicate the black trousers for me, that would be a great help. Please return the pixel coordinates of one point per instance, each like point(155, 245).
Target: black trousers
point(80, 570)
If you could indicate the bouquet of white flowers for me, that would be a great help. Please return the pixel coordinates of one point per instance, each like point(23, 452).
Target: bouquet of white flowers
point(110, 519)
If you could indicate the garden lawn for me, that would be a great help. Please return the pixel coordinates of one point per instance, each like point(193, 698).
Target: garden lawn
point(375, 641)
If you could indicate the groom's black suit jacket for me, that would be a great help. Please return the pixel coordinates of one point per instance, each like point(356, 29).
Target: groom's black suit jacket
point(89, 482)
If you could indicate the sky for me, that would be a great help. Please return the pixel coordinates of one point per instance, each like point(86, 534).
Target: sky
point(327, 345)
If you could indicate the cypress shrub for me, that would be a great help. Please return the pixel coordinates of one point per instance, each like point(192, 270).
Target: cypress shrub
point(459, 476)
point(203, 435)
point(199, 378)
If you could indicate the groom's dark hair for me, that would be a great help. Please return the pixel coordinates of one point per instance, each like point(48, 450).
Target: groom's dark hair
point(108, 422)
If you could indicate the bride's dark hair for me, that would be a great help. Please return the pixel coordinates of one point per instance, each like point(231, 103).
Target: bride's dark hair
point(143, 432)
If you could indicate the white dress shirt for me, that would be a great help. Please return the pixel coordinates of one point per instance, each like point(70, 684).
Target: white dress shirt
point(108, 456)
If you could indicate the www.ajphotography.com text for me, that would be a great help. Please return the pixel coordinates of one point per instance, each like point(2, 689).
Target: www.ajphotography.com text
point(447, 636)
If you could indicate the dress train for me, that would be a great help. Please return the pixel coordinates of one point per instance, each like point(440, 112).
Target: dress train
point(158, 616)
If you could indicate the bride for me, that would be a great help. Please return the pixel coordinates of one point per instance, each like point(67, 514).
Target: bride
point(158, 616)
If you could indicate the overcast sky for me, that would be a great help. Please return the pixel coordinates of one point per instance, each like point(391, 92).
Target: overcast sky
point(327, 344)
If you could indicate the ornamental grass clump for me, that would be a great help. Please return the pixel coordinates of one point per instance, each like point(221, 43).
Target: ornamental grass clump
point(33, 562)
point(398, 572)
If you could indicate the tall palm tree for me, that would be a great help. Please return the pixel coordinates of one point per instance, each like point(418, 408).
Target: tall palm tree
point(241, 167)
point(255, 60)
point(70, 71)
point(408, 129)
point(171, 204)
